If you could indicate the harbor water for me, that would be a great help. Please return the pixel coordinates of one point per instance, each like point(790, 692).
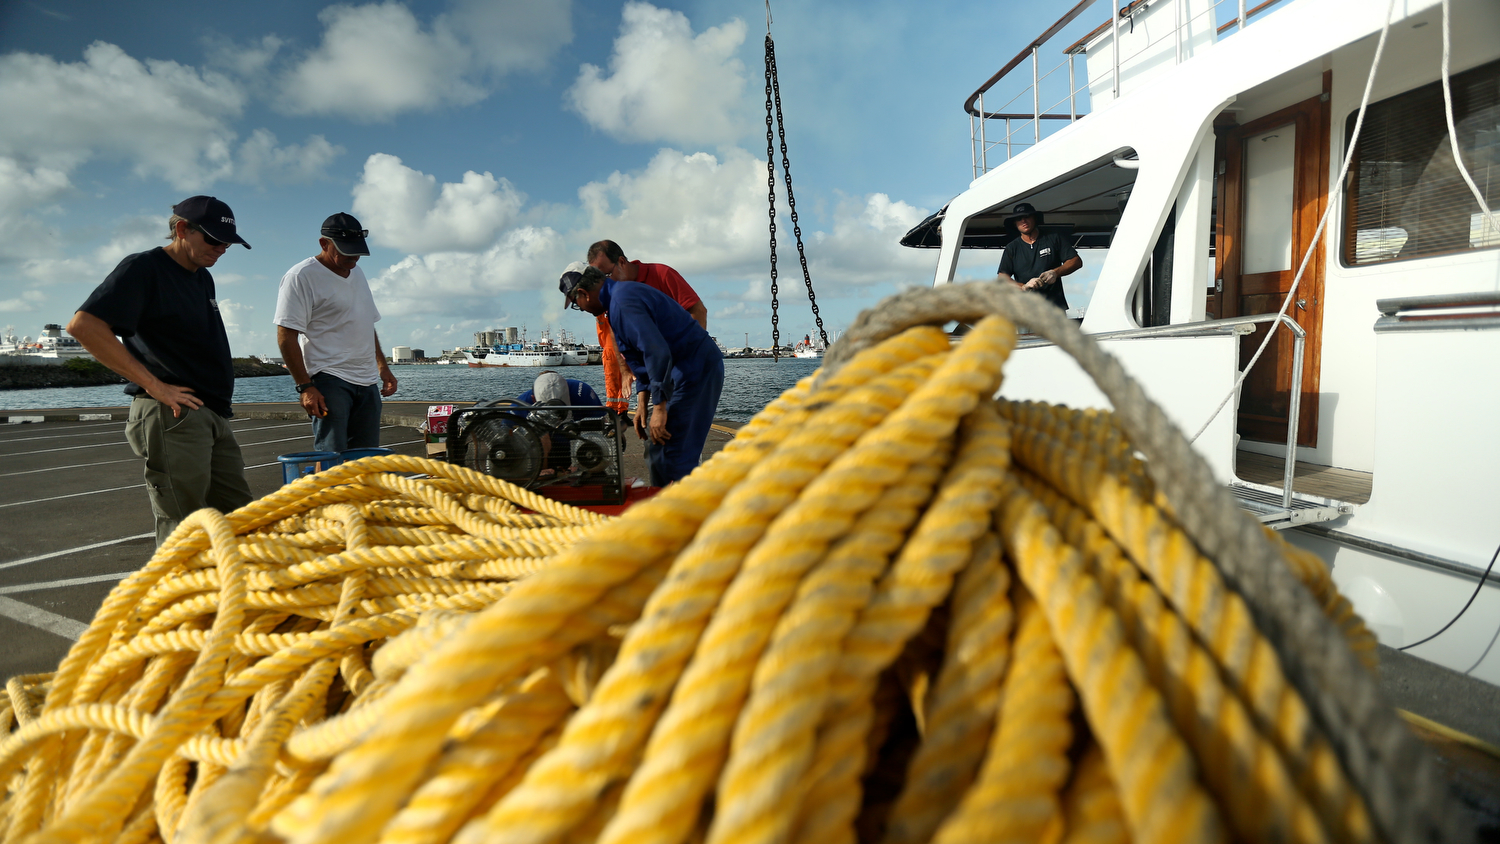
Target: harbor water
point(749, 385)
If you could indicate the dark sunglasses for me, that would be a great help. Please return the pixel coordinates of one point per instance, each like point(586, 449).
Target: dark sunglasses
point(207, 239)
point(346, 233)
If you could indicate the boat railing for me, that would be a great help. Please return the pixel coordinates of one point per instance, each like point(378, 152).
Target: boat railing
point(1237, 325)
point(1017, 122)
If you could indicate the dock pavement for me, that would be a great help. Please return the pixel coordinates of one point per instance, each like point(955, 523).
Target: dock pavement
point(77, 521)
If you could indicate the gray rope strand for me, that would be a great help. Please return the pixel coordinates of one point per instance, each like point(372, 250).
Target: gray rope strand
point(1406, 795)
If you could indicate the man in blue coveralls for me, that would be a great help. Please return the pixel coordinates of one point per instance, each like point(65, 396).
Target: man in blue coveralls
point(677, 366)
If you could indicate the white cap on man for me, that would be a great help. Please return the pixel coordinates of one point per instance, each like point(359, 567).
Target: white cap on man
point(550, 388)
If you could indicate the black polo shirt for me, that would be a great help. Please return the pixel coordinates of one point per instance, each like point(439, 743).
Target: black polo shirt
point(1024, 261)
point(169, 320)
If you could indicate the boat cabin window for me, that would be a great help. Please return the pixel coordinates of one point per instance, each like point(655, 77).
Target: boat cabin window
point(1406, 198)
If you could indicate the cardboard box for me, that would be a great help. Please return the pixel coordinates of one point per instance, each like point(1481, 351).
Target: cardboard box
point(437, 418)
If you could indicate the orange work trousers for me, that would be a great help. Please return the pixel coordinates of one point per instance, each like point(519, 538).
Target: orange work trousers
point(617, 377)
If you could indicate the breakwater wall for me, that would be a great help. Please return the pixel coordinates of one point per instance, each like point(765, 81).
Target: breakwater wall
point(78, 372)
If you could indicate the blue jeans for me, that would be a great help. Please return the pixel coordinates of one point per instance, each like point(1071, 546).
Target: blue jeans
point(353, 419)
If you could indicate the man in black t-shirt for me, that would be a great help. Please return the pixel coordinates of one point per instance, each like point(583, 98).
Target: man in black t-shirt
point(172, 348)
point(1037, 260)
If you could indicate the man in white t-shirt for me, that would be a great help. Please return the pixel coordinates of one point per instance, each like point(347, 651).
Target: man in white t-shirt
point(325, 328)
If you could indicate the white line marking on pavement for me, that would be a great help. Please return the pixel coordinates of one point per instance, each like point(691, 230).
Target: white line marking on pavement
point(58, 584)
point(71, 495)
point(66, 448)
point(38, 558)
point(71, 466)
point(41, 619)
point(73, 433)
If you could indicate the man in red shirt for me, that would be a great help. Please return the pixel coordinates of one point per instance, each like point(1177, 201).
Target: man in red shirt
point(609, 258)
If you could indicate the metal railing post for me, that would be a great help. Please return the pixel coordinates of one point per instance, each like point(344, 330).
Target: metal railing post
point(1072, 90)
point(1036, 100)
point(1114, 19)
point(984, 150)
point(1294, 409)
point(973, 157)
point(1007, 139)
point(1242, 17)
point(1177, 26)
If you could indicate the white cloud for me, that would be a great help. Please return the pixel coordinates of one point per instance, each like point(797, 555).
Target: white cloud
point(693, 211)
point(406, 209)
point(239, 325)
point(259, 159)
point(168, 120)
point(250, 61)
point(377, 61)
point(706, 216)
point(27, 302)
point(524, 259)
point(510, 35)
point(84, 270)
point(664, 83)
point(864, 248)
point(25, 235)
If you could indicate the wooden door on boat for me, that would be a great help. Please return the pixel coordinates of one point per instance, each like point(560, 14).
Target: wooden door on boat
point(1273, 186)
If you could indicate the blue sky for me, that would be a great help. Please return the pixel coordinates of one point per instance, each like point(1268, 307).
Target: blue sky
point(485, 145)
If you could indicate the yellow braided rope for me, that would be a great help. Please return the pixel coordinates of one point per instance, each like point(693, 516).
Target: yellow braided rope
point(916, 582)
point(1242, 767)
point(961, 712)
point(1091, 805)
point(1216, 614)
point(1161, 794)
point(1015, 796)
point(809, 639)
point(557, 794)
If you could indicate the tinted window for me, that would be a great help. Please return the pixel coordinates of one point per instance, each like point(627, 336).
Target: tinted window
point(1406, 198)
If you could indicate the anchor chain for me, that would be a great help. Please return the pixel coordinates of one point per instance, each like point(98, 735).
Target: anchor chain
point(773, 94)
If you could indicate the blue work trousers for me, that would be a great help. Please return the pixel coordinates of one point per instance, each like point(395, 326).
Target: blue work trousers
point(688, 421)
point(353, 419)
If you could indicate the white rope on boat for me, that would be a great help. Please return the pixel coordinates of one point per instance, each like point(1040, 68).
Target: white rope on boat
point(1458, 158)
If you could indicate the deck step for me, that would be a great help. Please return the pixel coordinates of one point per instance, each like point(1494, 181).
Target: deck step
point(1266, 504)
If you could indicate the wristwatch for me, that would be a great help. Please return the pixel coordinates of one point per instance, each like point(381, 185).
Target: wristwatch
point(302, 388)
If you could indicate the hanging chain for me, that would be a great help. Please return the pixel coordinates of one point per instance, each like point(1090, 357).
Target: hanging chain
point(771, 196)
point(791, 200)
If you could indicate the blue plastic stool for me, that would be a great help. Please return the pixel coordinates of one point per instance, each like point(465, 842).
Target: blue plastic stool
point(357, 453)
point(294, 466)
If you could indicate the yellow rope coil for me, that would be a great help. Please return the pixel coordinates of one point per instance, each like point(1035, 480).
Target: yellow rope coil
point(1015, 797)
point(1121, 504)
point(856, 621)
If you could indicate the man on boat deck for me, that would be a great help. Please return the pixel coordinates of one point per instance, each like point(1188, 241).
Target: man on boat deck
point(175, 354)
point(677, 366)
point(325, 328)
point(1037, 260)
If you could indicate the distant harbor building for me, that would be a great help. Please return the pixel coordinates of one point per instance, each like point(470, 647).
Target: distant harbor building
point(401, 354)
point(512, 335)
point(419, 354)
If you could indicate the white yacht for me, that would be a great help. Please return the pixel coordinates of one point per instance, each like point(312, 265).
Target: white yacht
point(1189, 150)
point(51, 345)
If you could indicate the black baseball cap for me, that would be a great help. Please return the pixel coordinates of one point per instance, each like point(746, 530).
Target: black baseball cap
point(347, 234)
point(210, 214)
